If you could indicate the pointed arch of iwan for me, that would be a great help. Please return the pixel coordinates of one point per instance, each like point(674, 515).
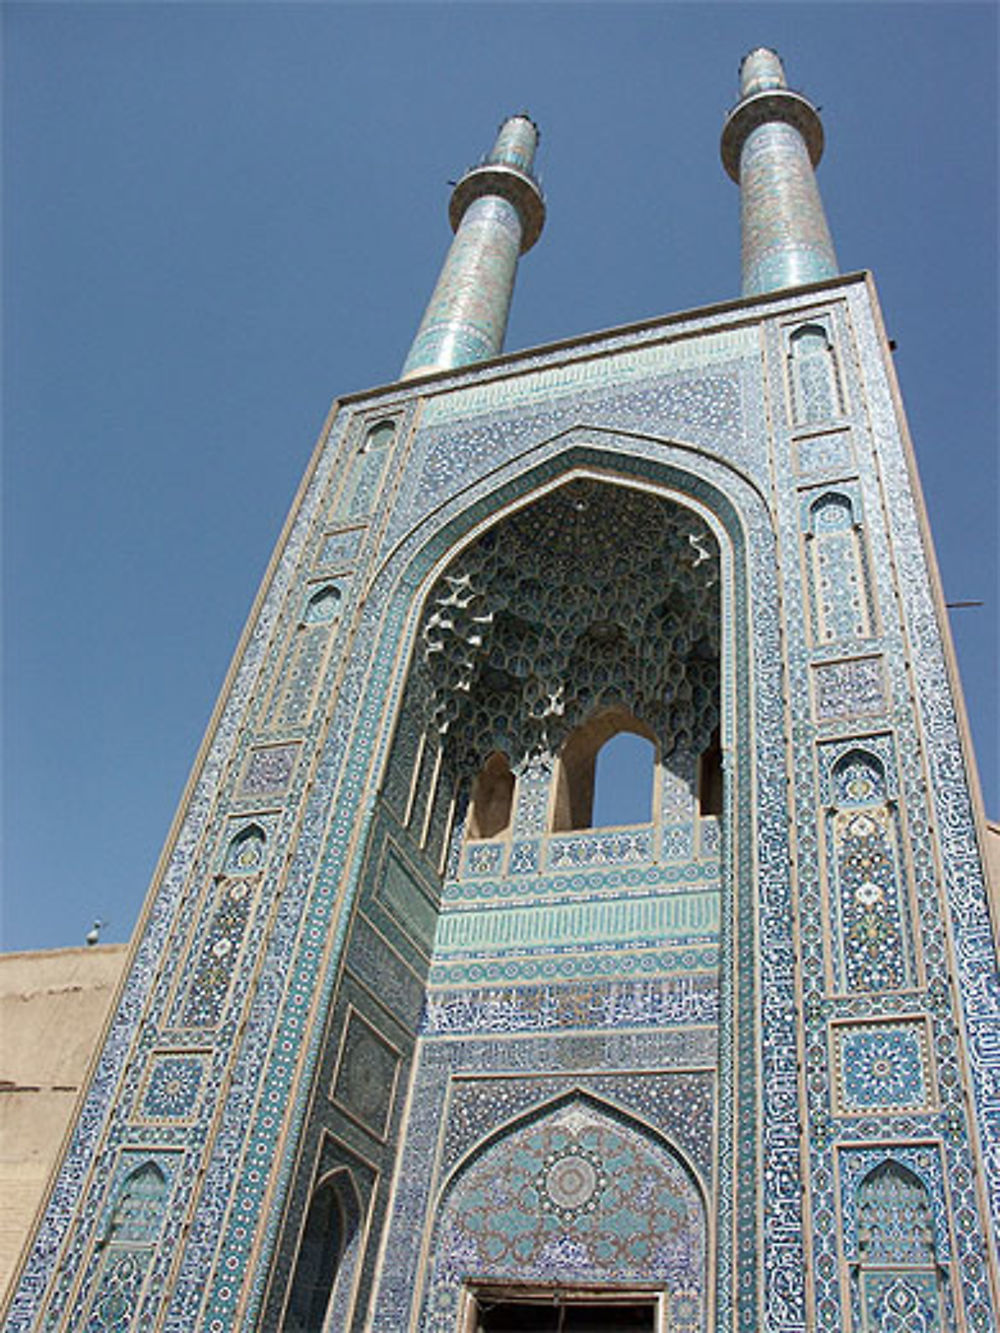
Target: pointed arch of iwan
point(757, 995)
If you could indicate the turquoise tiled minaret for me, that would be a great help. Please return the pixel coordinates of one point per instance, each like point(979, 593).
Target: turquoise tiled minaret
point(771, 142)
point(497, 212)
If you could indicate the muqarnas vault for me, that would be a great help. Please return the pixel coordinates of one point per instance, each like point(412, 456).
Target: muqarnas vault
point(407, 1042)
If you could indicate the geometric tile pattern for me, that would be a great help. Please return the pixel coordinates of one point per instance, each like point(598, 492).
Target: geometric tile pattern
point(366, 1075)
point(523, 858)
point(172, 1086)
point(900, 1302)
point(341, 548)
point(483, 858)
point(119, 1286)
point(268, 771)
point(827, 453)
point(853, 689)
point(678, 842)
point(210, 970)
point(881, 1067)
point(607, 849)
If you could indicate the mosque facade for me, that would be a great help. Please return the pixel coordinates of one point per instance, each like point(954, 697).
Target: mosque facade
point(409, 1039)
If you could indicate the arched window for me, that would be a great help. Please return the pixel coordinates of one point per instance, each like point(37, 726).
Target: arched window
point(246, 851)
point(330, 1226)
point(136, 1217)
point(809, 340)
point(894, 1217)
point(900, 1282)
point(379, 436)
point(623, 781)
point(815, 389)
point(492, 798)
point(322, 606)
point(628, 766)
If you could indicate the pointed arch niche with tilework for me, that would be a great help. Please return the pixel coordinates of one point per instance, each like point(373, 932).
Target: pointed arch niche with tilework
point(492, 925)
point(572, 1196)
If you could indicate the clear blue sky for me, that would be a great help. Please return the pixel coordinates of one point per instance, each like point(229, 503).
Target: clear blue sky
point(218, 217)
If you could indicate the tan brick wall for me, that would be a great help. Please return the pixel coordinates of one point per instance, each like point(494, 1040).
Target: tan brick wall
point(53, 1005)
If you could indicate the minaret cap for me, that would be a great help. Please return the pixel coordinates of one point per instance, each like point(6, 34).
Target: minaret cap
point(760, 71)
point(765, 97)
point(506, 171)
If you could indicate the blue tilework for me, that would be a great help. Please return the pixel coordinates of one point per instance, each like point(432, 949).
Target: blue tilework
point(655, 417)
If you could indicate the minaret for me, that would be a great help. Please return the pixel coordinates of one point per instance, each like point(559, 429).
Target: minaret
point(497, 212)
point(771, 142)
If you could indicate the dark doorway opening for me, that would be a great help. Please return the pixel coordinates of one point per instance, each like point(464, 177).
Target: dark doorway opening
point(551, 1314)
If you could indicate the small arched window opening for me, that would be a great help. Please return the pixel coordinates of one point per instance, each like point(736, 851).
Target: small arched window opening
point(623, 781)
point(379, 436)
point(246, 851)
point(322, 606)
point(710, 777)
point(810, 340)
point(330, 1224)
point(859, 779)
point(603, 780)
point(895, 1223)
point(815, 387)
point(136, 1217)
point(492, 798)
point(832, 512)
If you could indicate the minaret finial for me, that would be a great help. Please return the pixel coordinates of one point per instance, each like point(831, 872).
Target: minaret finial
point(497, 213)
point(771, 142)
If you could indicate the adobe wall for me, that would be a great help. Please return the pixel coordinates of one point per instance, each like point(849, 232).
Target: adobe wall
point(53, 1004)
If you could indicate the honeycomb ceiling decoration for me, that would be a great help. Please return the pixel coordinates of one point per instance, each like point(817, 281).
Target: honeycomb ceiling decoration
point(594, 596)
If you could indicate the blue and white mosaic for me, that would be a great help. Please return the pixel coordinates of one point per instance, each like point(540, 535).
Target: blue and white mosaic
point(173, 1085)
point(881, 1067)
point(848, 689)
